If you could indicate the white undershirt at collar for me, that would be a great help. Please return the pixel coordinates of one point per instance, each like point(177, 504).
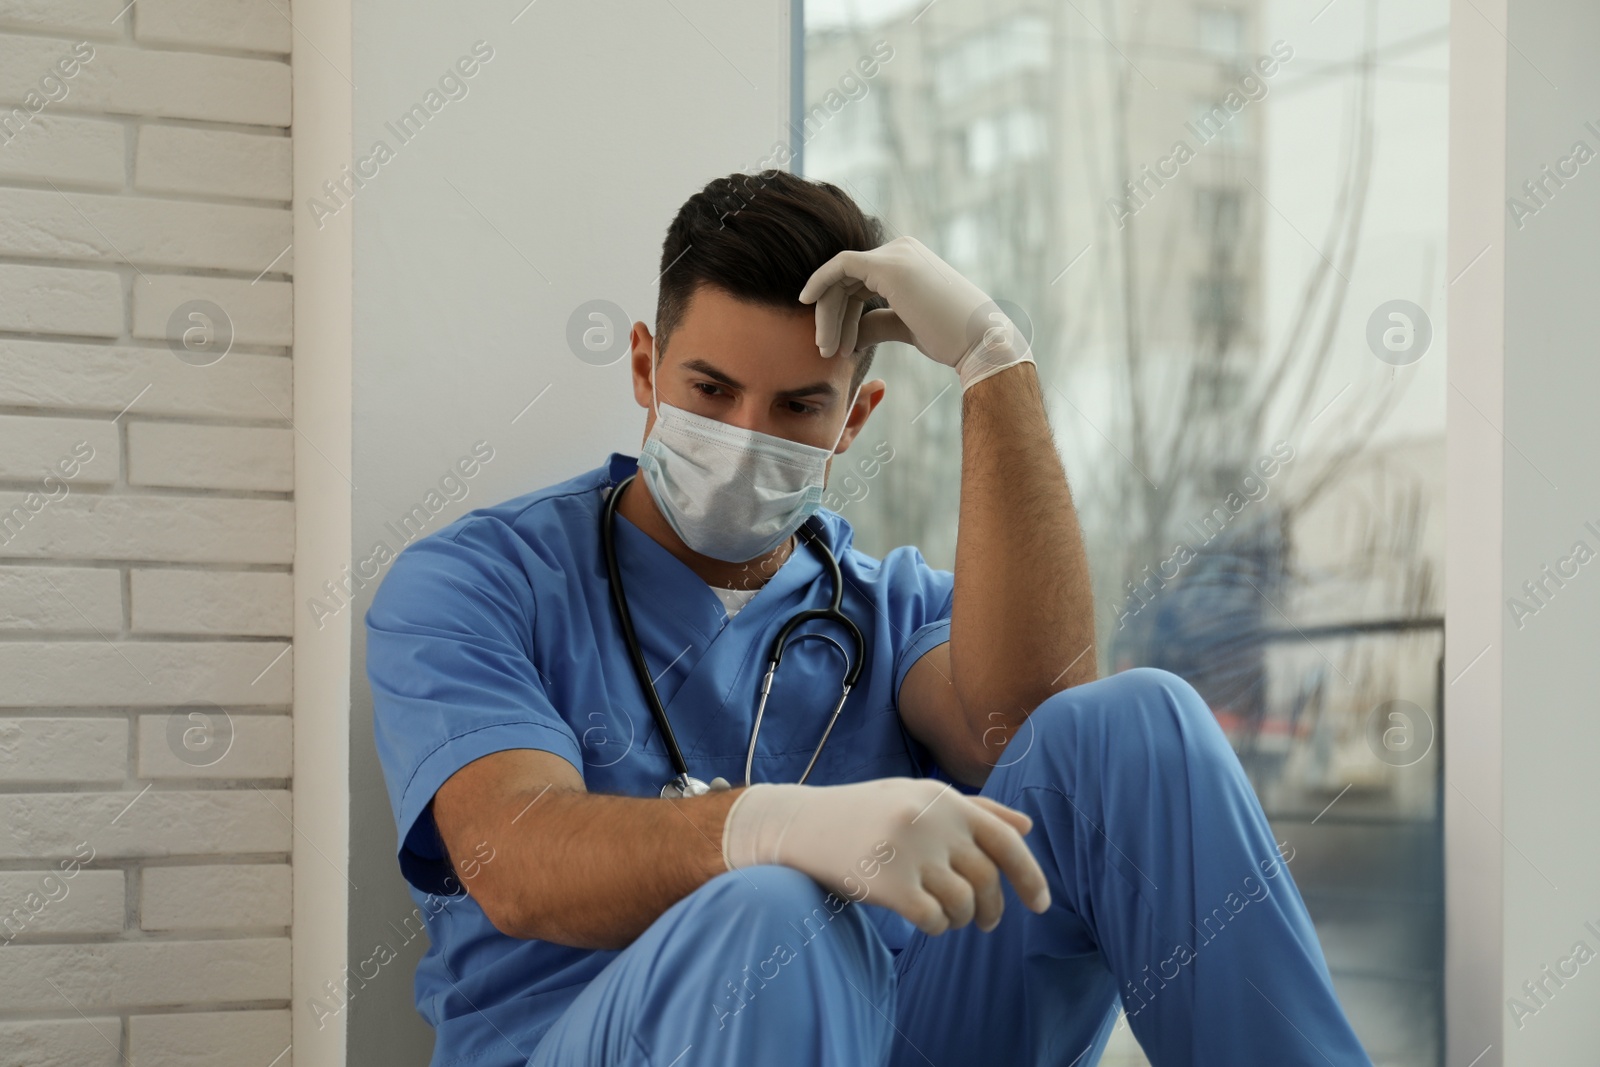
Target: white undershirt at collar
point(733, 599)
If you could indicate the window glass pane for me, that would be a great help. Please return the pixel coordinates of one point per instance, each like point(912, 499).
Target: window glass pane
point(1213, 121)
point(1221, 31)
point(993, 51)
point(1202, 210)
point(992, 140)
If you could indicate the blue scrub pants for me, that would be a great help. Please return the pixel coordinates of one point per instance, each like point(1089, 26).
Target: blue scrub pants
point(1167, 890)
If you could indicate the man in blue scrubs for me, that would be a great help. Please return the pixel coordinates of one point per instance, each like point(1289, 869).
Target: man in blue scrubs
point(993, 851)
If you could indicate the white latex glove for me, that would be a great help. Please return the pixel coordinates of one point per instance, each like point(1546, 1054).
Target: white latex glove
point(913, 845)
point(931, 306)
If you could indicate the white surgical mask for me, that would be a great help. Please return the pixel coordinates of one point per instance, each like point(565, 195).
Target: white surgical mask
point(730, 493)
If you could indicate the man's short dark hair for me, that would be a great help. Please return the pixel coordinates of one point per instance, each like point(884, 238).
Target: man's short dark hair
point(759, 237)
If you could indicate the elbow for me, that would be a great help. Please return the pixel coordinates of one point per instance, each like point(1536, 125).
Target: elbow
point(512, 925)
point(505, 921)
point(516, 917)
point(973, 771)
point(984, 751)
point(509, 916)
point(996, 730)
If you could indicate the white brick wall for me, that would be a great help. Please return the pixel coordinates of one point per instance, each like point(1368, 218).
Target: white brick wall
point(62, 1042)
point(205, 1039)
point(146, 534)
point(237, 895)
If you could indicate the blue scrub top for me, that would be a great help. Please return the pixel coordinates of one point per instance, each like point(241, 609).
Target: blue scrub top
point(498, 632)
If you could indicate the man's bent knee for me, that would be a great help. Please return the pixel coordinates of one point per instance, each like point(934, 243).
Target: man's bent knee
point(783, 923)
point(776, 904)
point(1142, 708)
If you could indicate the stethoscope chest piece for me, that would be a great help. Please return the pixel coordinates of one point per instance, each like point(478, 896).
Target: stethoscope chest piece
point(687, 785)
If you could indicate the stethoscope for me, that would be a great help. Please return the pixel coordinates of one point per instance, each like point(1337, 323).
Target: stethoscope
point(685, 784)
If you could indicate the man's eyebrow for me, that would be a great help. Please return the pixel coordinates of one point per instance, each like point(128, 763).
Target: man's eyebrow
point(700, 366)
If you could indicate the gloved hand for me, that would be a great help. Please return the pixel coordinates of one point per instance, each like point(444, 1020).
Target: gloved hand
point(931, 306)
point(915, 845)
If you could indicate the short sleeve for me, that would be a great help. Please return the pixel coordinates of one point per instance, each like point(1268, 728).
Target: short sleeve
point(924, 597)
point(449, 662)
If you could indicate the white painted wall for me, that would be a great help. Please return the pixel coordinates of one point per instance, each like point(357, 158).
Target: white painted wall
point(150, 169)
point(1522, 738)
point(548, 184)
point(1550, 729)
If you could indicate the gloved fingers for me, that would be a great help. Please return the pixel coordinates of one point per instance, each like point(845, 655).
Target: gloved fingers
point(924, 910)
point(851, 326)
point(1005, 846)
point(848, 266)
point(1019, 819)
point(883, 324)
point(984, 878)
point(832, 307)
point(955, 894)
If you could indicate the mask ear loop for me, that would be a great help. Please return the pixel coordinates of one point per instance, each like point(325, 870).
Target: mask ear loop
point(655, 405)
point(852, 406)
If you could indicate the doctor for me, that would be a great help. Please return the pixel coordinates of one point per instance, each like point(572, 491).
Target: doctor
point(990, 852)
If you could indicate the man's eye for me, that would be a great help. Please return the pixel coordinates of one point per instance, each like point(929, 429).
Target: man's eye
point(797, 408)
point(706, 388)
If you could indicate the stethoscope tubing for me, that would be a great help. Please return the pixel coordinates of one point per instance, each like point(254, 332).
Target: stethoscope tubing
point(833, 613)
point(635, 653)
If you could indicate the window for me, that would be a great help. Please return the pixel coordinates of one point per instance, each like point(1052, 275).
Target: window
point(1220, 31)
point(1217, 303)
point(1211, 122)
point(860, 121)
point(1018, 43)
point(993, 140)
point(1220, 389)
point(961, 239)
point(1217, 212)
point(1313, 607)
point(866, 187)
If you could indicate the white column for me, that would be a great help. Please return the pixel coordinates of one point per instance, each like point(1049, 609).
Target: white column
point(323, 501)
point(1522, 736)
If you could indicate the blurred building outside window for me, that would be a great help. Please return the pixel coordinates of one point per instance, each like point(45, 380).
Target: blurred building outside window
point(1200, 319)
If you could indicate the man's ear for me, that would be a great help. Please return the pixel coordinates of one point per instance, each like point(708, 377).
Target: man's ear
point(640, 363)
point(872, 394)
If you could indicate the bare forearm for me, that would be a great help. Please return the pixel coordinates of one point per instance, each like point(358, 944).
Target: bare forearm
point(594, 870)
point(1022, 624)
